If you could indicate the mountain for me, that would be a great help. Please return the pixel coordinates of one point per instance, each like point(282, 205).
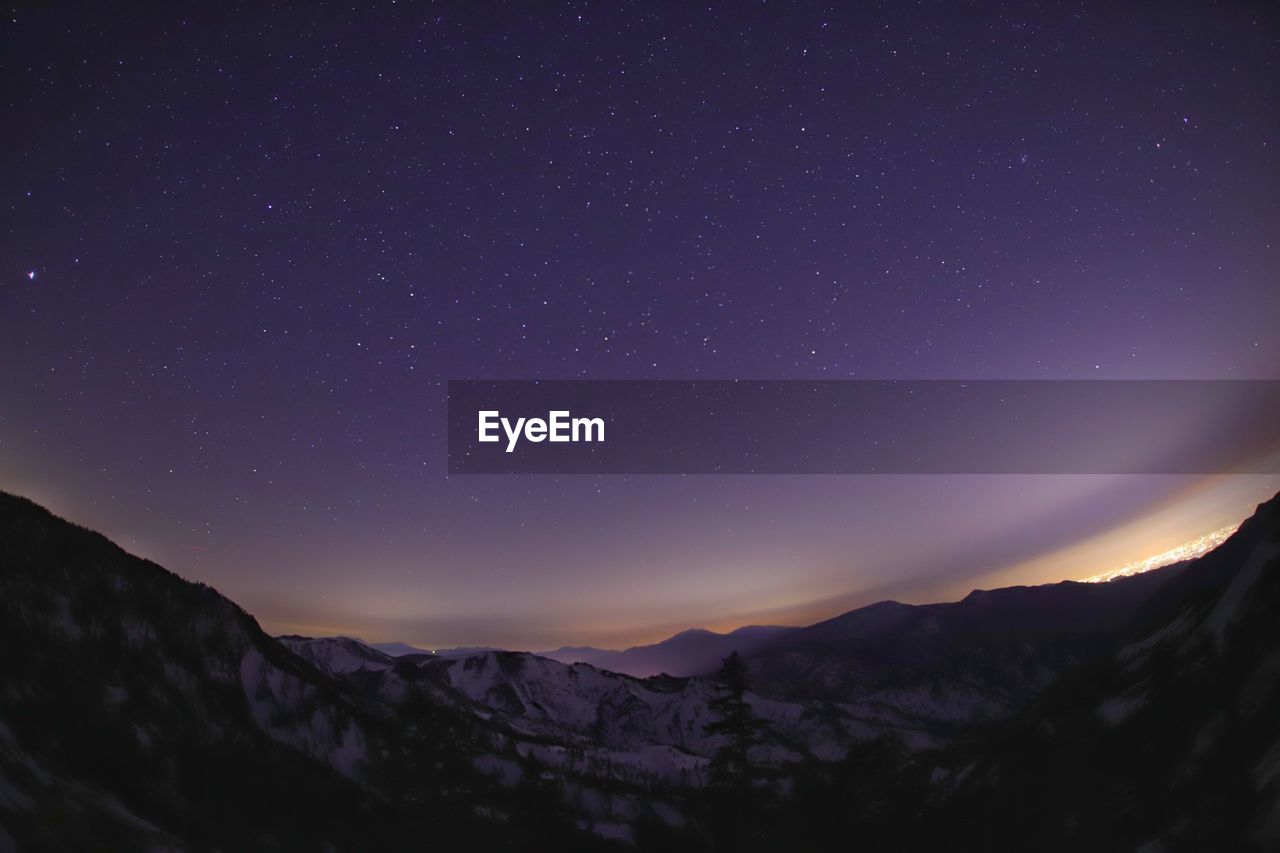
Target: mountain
point(1168, 742)
point(139, 711)
point(693, 652)
point(959, 663)
point(1172, 741)
point(578, 654)
point(465, 651)
point(578, 705)
point(625, 750)
point(337, 654)
point(395, 650)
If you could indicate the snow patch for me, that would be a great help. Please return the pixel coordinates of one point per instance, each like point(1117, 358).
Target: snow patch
point(1224, 612)
point(338, 655)
point(1133, 654)
point(507, 772)
point(284, 707)
point(1117, 709)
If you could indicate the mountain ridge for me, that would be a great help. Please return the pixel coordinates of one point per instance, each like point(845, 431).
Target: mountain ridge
point(160, 714)
point(140, 710)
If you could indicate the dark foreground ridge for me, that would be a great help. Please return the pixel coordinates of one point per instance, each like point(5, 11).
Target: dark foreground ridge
point(139, 711)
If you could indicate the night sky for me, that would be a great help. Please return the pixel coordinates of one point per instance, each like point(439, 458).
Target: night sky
point(242, 252)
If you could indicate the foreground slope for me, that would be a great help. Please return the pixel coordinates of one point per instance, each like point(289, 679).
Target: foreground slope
point(140, 711)
point(1169, 742)
point(1173, 741)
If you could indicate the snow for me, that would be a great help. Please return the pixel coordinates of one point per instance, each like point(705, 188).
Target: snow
point(606, 725)
point(284, 707)
point(338, 654)
point(63, 620)
point(613, 831)
point(118, 810)
point(645, 763)
point(13, 751)
point(12, 799)
point(1135, 653)
point(1267, 770)
point(1117, 709)
point(1225, 610)
point(350, 752)
point(507, 772)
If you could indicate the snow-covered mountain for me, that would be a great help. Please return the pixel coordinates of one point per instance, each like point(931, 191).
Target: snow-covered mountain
point(338, 654)
point(139, 711)
point(923, 675)
point(586, 708)
point(920, 675)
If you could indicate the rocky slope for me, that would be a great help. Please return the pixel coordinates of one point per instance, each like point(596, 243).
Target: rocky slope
point(140, 711)
point(1172, 742)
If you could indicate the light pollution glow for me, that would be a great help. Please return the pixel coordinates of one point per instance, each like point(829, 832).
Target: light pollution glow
point(1186, 551)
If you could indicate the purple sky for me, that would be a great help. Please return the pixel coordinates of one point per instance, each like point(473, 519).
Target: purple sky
point(244, 251)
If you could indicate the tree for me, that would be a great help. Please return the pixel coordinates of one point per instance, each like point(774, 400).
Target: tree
point(734, 805)
point(731, 765)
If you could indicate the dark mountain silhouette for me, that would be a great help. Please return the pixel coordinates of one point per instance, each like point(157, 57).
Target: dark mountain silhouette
point(1173, 740)
point(696, 651)
point(398, 649)
point(140, 711)
point(1169, 742)
point(980, 658)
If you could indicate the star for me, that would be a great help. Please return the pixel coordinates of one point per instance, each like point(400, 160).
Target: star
point(31, 275)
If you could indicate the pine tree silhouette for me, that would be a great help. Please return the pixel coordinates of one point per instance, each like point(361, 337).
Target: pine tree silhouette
point(731, 766)
point(732, 810)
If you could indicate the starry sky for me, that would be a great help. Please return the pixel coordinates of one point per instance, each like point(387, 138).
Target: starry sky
point(244, 249)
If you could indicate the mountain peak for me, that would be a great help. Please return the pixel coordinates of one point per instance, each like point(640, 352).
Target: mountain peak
point(692, 632)
point(338, 654)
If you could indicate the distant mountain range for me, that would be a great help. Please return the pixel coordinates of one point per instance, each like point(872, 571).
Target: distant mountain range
point(395, 650)
point(693, 652)
point(140, 711)
point(401, 649)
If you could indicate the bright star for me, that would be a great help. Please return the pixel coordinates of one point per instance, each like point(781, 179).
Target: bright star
point(31, 275)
